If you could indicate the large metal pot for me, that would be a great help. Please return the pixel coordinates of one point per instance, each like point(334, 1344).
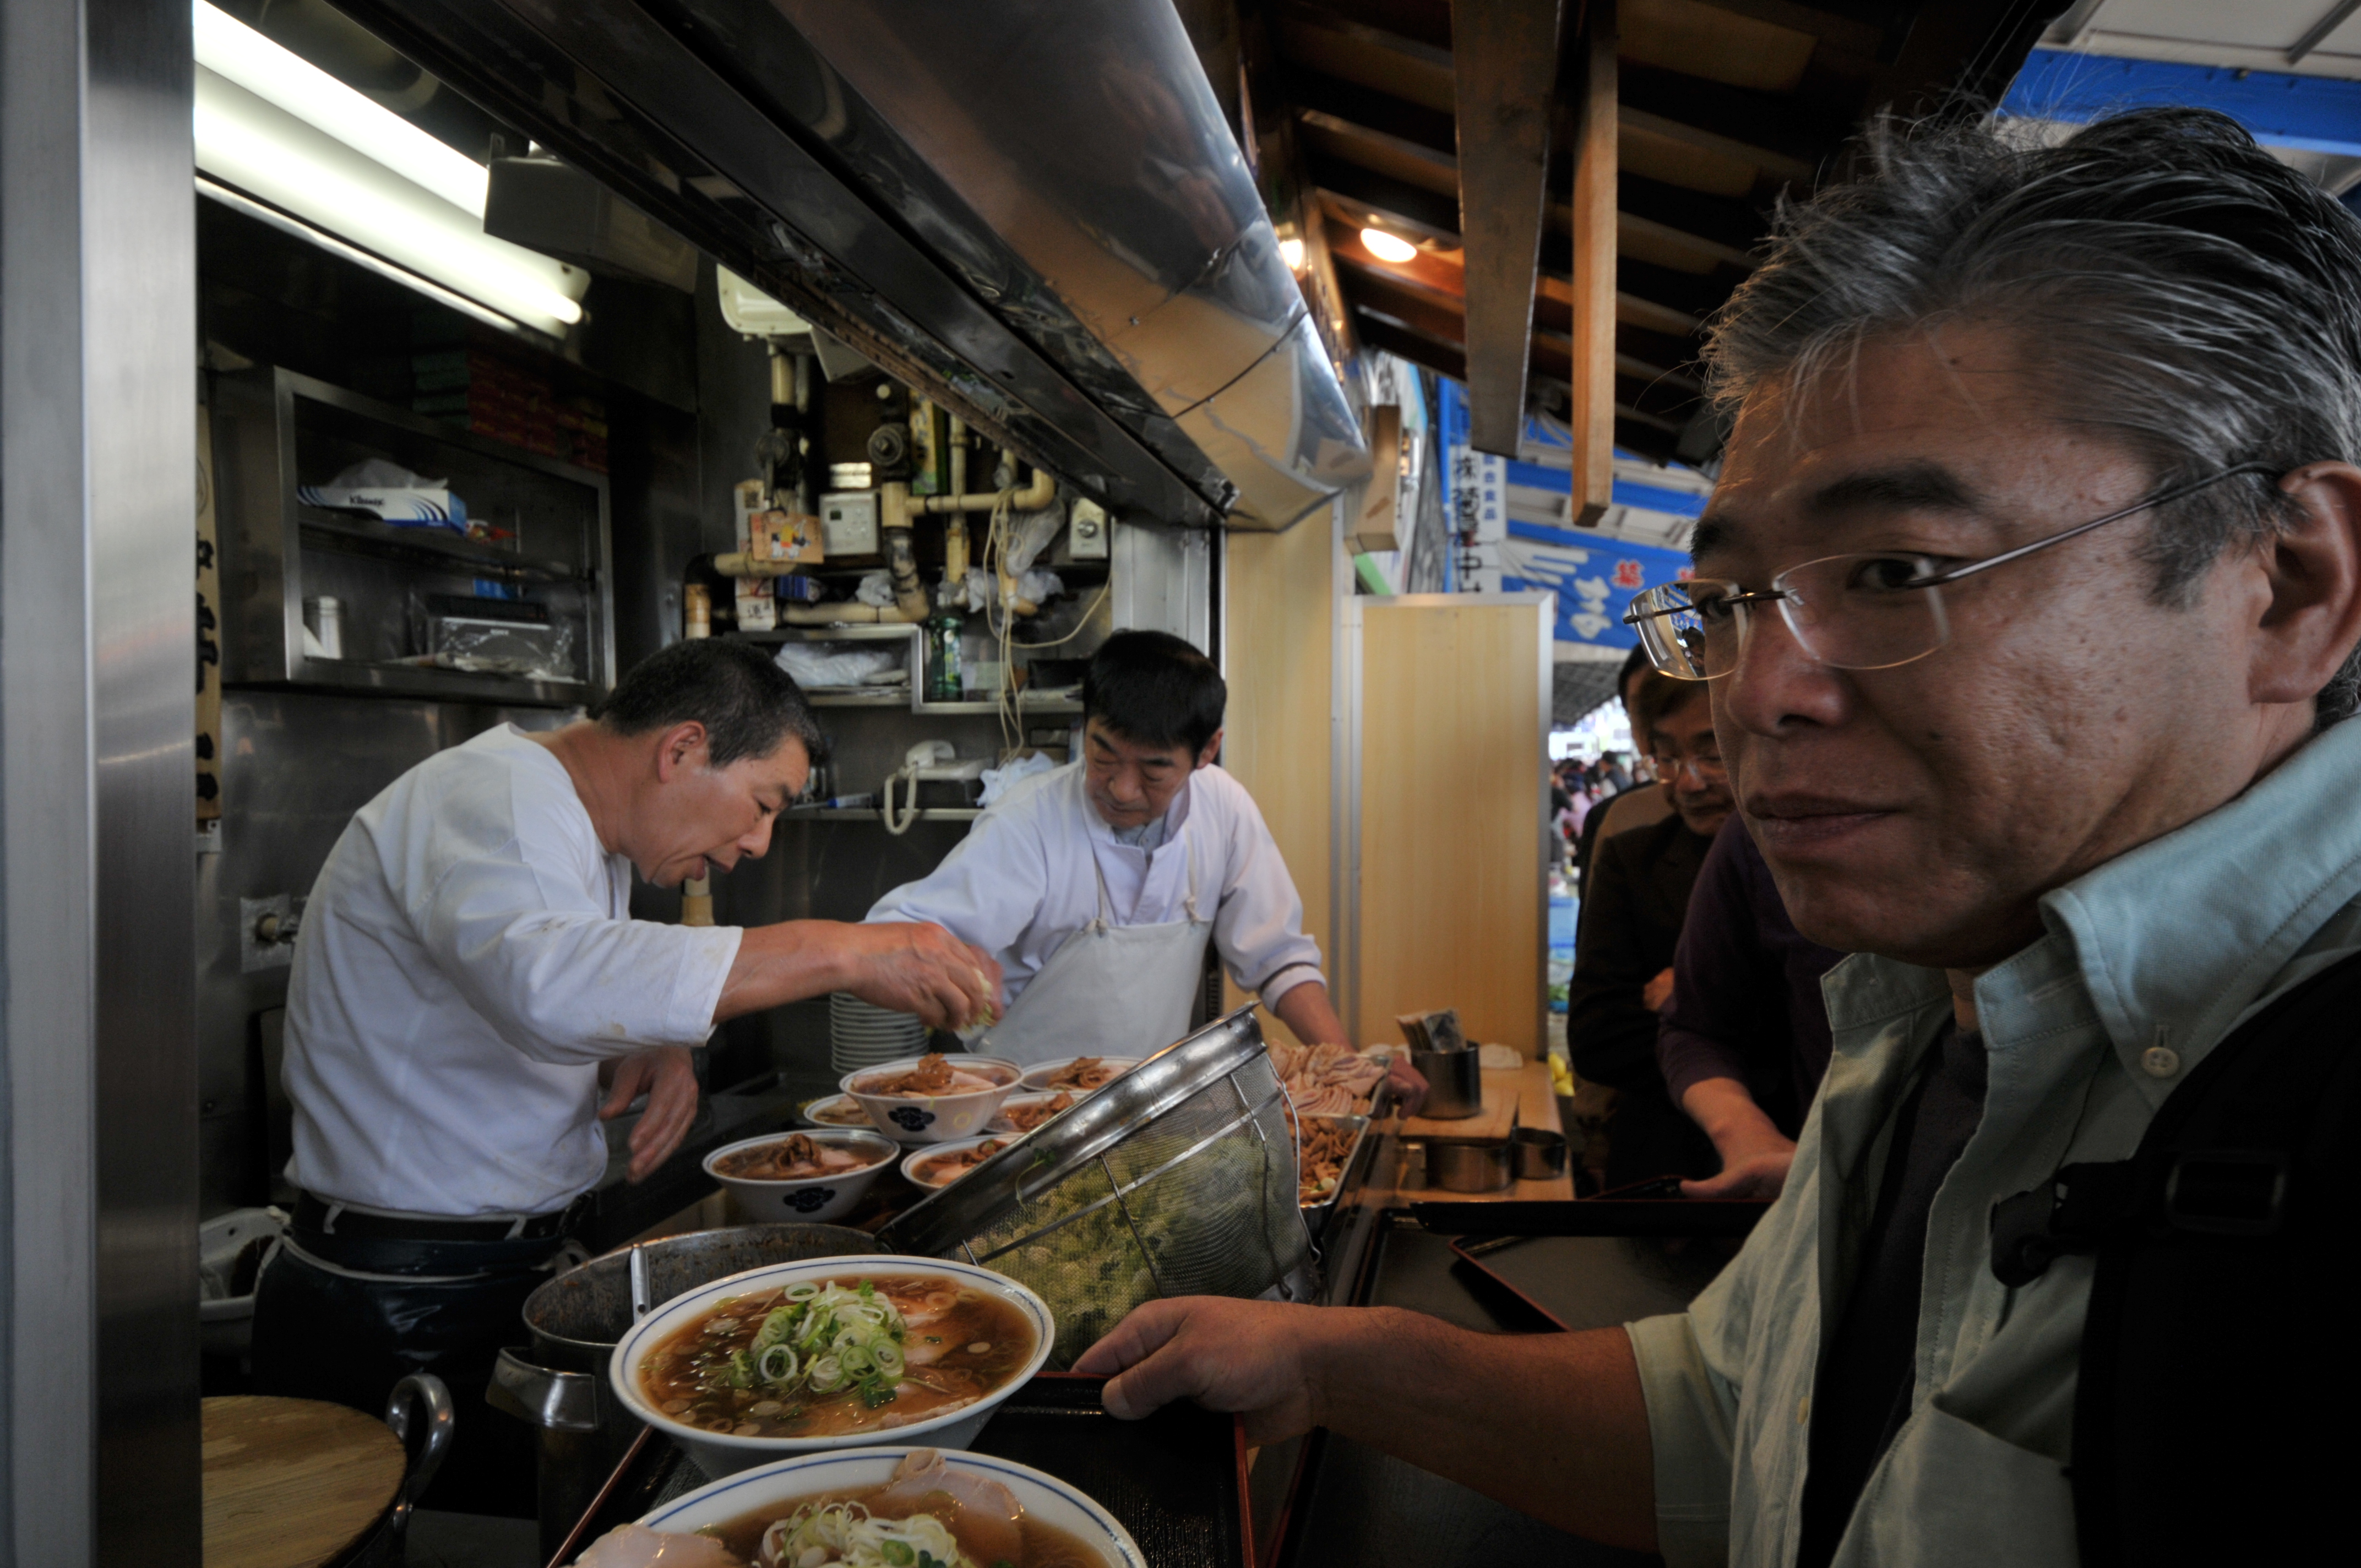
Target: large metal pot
point(575, 1321)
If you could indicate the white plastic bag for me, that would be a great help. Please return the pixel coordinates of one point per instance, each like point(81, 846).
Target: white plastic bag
point(999, 782)
point(839, 664)
point(1031, 533)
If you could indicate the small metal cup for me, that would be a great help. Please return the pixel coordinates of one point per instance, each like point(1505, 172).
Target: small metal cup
point(1454, 1083)
point(1541, 1153)
point(1468, 1168)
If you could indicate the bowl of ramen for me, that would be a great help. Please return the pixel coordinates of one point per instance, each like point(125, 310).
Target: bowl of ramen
point(811, 1176)
point(942, 1164)
point(875, 1508)
point(1082, 1075)
point(836, 1111)
point(935, 1098)
point(1023, 1113)
point(831, 1353)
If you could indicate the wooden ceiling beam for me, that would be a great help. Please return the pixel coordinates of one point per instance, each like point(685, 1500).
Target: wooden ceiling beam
point(1596, 305)
point(1337, 45)
point(1504, 56)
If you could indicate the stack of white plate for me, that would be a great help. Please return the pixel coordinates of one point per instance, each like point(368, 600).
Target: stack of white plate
point(863, 1035)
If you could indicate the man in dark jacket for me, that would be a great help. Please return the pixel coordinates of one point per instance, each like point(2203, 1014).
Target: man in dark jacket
point(1634, 900)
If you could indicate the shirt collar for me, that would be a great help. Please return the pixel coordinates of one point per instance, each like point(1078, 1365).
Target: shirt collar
point(2179, 937)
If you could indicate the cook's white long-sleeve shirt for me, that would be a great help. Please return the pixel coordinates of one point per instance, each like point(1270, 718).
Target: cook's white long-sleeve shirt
point(1021, 882)
point(466, 960)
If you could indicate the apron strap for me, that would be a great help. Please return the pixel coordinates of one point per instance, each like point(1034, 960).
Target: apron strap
point(1106, 905)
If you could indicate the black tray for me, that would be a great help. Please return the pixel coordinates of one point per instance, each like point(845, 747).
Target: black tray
point(1177, 1480)
point(1595, 1217)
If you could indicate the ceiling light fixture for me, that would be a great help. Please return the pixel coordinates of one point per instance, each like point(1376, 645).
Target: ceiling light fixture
point(1291, 250)
point(1387, 246)
point(227, 47)
point(357, 179)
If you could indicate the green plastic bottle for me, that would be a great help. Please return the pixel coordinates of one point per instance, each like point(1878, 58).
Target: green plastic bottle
point(943, 681)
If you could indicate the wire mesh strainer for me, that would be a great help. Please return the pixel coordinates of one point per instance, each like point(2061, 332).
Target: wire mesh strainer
point(1176, 1179)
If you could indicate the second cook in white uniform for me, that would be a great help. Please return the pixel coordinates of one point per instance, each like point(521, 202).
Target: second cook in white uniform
point(1097, 886)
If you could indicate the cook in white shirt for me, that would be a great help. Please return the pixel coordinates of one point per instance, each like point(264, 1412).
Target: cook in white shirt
point(1096, 887)
point(467, 969)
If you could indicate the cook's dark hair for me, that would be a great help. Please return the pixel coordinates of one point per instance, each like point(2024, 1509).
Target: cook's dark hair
point(1155, 689)
point(747, 703)
point(2177, 285)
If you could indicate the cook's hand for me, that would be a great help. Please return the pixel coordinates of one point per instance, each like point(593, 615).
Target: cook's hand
point(1657, 991)
point(1255, 1357)
point(1409, 1084)
point(669, 1080)
point(1760, 1175)
point(911, 967)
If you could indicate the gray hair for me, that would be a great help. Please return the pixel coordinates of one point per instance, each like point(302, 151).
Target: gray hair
point(2186, 289)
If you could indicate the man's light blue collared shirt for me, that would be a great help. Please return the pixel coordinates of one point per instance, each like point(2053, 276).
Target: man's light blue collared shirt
point(2148, 963)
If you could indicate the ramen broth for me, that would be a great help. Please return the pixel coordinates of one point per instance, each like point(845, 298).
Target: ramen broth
point(860, 1353)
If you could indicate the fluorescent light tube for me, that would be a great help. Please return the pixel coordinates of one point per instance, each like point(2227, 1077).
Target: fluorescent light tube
point(230, 49)
point(267, 153)
point(263, 212)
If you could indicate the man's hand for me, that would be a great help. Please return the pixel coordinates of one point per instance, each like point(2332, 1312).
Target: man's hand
point(668, 1078)
point(1756, 1154)
point(905, 966)
point(1409, 1084)
point(1228, 1355)
point(921, 969)
point(1755, 1176)
point(1657, 991)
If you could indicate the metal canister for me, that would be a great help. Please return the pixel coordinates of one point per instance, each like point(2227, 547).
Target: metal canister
point(1454, 1083)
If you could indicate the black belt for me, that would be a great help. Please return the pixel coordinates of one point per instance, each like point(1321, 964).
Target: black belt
point(314, 1213)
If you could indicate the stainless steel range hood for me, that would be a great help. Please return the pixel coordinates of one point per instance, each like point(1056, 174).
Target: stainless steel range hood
point(1032, 209)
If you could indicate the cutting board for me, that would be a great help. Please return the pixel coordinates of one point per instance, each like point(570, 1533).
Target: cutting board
point(293, 1483)
point(1492, 1125)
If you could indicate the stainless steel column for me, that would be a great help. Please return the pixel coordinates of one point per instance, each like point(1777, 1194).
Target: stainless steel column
point(98, 479)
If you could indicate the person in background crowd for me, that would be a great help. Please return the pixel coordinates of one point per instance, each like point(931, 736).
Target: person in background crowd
point(1743, 1040)
point(1633, 807)
point(1617, 777)
point(1633, 903)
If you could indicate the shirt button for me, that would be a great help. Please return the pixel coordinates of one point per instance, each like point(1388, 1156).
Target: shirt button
point(2159, 1061)
point(1803, 1410)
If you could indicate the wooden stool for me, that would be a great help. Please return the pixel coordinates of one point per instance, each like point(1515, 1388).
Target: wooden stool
point(293, 1483)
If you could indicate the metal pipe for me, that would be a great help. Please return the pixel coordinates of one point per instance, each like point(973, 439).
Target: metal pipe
point(1032, 498)
point(845, 614)
point(898, 511)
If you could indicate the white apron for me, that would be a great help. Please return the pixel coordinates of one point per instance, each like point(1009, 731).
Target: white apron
point(1109, 989)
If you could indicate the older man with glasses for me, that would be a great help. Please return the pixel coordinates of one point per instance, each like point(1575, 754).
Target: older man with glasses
point(2027, 601)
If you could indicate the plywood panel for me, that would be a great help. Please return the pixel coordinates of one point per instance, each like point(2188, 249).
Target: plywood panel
point(1280, 602)
point(1452, 753)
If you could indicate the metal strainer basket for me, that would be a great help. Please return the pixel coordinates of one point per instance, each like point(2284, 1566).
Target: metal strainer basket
point(1176, 1179)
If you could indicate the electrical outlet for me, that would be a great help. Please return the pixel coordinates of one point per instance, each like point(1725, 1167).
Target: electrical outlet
point(1086, 532)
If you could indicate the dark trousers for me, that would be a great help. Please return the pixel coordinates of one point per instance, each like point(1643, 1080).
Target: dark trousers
point(319, 1334)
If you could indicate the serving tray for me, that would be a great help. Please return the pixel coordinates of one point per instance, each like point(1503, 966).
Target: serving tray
point(1177, 1480)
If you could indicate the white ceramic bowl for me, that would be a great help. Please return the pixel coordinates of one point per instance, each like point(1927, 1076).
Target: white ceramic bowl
point(811, 1198)
point(917, 1158)
point(725, 1453)
point(1037, 1077)
point(830, 1111)
point(940, 1118)
point(1004, 1123)
point(786, 1482)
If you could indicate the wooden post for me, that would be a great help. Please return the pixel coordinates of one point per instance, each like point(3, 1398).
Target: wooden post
point(1593, 377)
point(1504, 67)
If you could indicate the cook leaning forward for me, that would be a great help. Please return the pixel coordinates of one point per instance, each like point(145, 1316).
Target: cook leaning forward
point(469, 982)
